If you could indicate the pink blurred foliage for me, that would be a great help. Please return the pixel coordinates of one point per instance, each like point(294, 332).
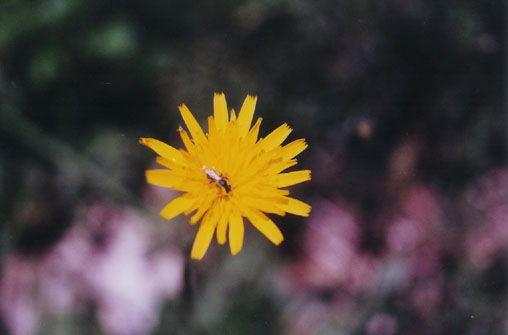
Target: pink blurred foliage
point(330, 255)
point(420, 230)
point(17, 303)
point(413, 235)
point(333, 259)
point(419, 233)
point(381, 324)
point(426, 296)
point(105, 259)
point(304, 321)
point(403, 163)
point(329, 261)
point(485, 215)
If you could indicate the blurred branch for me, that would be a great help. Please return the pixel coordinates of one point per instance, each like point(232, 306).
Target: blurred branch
point(53, 149)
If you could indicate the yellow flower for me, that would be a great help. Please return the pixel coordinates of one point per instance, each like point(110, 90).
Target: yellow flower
point(228, 174)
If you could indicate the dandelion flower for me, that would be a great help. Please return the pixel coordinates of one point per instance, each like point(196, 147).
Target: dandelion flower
point(228, 174)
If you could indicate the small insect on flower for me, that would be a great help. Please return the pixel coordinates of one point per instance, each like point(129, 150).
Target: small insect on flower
point(213, 176)
point(229, 174)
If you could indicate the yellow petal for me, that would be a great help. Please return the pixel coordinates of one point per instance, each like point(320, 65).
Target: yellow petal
point(291, 178)
point(236, 231)
point(292, 149)
point(252, 136)
point(245, 115)
point(220, 110)
point(189, 145)
point(167, 163)
point(197, 216)
point(203, 238)
point(214, 139)
point(161, 148)
point(265, 226)
point(296, 207)
point(194, 128)
point(275, 138)
point(222, 227)
point(162, 177)
point(279, 166)
point(224, 208)
point(203, 206)
point(233, 115)
point(267, 205)
point(184, 171)
point(263, 166)
point(177, 206)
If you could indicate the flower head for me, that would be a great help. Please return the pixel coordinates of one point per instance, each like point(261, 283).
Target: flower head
point(227, 174)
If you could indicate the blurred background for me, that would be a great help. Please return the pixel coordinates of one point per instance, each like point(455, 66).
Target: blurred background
point(402, 102)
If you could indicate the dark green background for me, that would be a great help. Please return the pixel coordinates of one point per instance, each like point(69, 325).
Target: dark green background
point(81, 81)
